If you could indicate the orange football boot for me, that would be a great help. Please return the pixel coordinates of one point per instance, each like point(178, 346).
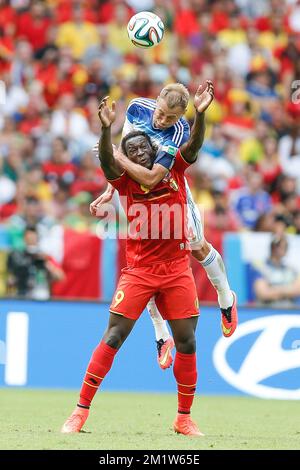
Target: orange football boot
point(184, 424)
point(76, 421)
point(229, 318)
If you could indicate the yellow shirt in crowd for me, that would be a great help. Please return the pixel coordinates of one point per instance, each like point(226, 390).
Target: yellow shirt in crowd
point(77, 36)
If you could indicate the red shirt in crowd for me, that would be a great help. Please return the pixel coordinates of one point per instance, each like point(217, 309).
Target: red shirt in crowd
point(65, 171)
point(34, 30)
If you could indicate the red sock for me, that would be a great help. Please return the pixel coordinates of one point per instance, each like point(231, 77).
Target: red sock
point(100, 363)
point(185, 372)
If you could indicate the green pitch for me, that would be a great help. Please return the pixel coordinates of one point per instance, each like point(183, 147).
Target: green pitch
point(31, 419)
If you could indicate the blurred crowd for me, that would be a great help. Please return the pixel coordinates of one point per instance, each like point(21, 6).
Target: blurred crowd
point(59, 57)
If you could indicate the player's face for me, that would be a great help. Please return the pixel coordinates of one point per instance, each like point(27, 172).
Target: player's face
point(165, 117)
point(139, 151)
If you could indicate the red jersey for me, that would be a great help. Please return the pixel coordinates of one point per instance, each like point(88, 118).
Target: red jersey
point(157, 217)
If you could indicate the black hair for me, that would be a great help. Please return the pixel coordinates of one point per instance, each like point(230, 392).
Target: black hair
point(62, 140)
point(133, 134)
point(31, 200)
point(30, 228)
point(284, 219)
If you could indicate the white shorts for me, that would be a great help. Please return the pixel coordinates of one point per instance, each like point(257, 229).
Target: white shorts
point(195, 228)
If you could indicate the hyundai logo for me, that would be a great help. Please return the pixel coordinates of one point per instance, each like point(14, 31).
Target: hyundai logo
point(265, 359)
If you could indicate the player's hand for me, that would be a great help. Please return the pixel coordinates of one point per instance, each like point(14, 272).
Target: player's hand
point(119, 155)
point(106, 114)
point(105, 197)
point(204, 96)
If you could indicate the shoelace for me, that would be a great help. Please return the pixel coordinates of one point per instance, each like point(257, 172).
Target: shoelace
point(74, 419)
point(189, 425)
point(159, 345)
point(227, 313)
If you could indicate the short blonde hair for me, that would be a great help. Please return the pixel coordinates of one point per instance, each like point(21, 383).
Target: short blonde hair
point(175, 94)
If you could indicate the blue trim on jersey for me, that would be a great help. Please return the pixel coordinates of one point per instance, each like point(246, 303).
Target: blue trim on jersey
point(166, 154)
point(211, 258)
point(165, 160)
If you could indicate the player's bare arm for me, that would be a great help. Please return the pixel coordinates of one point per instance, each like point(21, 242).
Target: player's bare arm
point(140, 174)
point(102, 199)
point(111, 167)
point(202, 100)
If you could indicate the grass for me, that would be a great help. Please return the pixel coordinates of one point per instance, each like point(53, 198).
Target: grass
point(31, 419)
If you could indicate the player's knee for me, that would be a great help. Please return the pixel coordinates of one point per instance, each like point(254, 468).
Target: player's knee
point(114, 338)
point(186, 345)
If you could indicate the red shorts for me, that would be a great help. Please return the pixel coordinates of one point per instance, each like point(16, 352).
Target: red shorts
point(171, 283)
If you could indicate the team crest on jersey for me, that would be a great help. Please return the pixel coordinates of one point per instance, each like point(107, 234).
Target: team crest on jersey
point(146, 190)
point(173, 184)
point(171, 181)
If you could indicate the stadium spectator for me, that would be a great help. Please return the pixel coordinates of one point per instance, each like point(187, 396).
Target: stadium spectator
point(106, 52)
point(289, 152)
point(251, 201)
point(78, 34)
point(60, 167)
point(276, 283)
point(90, 177)
point(67, 121)
point(265, 223)
point(269, 166)
point(31, 213)
point(30, 271)
point(80, 218)
point(33, 24)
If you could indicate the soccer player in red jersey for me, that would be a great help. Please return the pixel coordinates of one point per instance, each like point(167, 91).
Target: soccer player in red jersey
point(156, 265)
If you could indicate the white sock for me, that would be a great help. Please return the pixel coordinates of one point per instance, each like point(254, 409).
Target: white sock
point(215, 269)
point(160, 325)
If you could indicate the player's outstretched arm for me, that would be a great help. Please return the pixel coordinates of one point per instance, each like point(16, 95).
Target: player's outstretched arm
point(102, 199)
point(202, 100)
point(111, 167)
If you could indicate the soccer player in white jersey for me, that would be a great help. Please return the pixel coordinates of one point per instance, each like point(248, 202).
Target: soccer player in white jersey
point(163, 121)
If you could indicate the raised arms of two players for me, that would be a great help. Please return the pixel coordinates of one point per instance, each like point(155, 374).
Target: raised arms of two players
point(189, 150)
point(113, 167)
